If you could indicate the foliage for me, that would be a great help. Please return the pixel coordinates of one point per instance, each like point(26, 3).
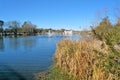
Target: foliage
point(1, 30)
point(107, 32)
point(112, 39)
point(13, 25)
point(1, 23)
point(28, 27)
point(103, 28)
point(14, 28)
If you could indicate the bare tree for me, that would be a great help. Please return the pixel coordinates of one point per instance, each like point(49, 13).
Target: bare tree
point(28, 27)
point(14, 25)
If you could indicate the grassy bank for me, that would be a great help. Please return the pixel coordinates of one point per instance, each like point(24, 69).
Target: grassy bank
point(83, 60)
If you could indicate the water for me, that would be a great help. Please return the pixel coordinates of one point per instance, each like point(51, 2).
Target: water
point(22, 57)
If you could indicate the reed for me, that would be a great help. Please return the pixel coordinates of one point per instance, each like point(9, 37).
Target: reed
point(86, 59)
point(83, 59)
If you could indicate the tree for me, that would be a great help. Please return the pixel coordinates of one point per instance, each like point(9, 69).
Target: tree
point(104, 27)
point(28, 28)
point(118, 22)
point(39, 30)
point(14, 25)
point(1, 23)
point(1, 28)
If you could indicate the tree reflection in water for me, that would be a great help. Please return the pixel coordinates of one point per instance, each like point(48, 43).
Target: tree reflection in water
point(1, 43)
point(27, 42)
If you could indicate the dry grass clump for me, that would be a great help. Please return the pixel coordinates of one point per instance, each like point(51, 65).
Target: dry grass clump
point(76, 58)
point(82, 59)
point(85, 59)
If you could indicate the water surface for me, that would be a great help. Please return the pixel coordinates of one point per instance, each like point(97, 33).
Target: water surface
point(22, 57)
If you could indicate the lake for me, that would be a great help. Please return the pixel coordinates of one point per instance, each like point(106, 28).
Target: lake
point(22, 57)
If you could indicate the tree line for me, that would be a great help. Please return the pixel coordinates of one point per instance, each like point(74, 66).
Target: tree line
point(27, 28)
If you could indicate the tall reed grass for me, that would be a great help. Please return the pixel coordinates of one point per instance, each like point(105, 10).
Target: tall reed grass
point(83, 60)
point(87, 59)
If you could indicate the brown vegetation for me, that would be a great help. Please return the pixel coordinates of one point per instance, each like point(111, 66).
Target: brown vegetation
point(79, 59)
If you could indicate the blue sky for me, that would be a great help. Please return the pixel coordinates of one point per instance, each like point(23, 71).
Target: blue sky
point(57, 14)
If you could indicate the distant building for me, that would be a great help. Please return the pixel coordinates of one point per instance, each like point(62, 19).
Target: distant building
point(68, 32)
point(50, 33)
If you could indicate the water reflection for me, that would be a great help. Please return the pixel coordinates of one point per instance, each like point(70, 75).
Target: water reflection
point(29, 42)
point(21, 64)
point(15, 42)
point(26, 55)
point(1, 44)
point(18, 42)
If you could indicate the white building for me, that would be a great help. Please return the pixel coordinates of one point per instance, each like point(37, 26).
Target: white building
point(68, 32)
